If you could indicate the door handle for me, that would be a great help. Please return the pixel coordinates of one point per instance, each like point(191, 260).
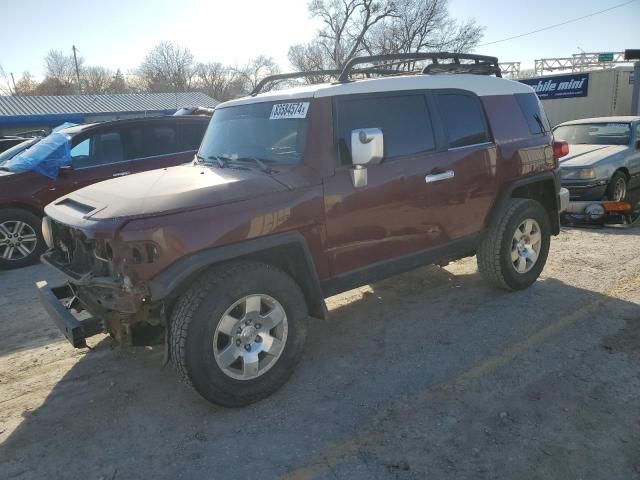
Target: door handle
point(120, 174)
point(436, 177)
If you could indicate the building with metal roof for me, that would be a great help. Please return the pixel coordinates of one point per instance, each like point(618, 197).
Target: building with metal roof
point(36, 112)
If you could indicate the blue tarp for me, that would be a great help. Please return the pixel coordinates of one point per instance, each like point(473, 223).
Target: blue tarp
point(45, 157)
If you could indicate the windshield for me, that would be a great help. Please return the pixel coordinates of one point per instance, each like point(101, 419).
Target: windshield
point(45, 157)
point(595, 133)
point(269, 131)
point(16, 149)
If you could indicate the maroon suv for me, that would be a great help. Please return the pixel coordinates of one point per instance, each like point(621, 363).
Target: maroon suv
point(79, 156)
point(297, 195)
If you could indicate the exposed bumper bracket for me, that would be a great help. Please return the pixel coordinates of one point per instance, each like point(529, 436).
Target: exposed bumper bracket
point(75, 330)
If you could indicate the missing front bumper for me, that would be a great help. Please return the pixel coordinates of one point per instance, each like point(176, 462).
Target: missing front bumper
point(74, 329)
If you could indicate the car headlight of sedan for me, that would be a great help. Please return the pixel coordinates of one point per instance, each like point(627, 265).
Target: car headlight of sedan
point(578, 174)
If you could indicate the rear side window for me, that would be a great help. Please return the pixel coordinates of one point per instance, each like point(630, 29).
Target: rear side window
point(144, 141)
point(403, 119)
point(533, 113)
point(463, 119)
point(163, 140)
point(191, 135)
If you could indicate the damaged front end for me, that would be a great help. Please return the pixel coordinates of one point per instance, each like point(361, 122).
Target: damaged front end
point(99, 296)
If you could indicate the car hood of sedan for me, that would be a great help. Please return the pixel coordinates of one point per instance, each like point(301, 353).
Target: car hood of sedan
point(164, 191)
point(588, 155)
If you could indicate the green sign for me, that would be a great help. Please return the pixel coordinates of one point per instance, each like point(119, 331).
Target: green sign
point(605, 57)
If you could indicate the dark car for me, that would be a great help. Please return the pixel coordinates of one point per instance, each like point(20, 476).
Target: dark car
point(300, 194)
point(78, 156)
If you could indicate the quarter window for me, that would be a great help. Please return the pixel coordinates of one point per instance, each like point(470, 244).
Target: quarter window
point(463, 119)
point(403, 119)
point(533, 113)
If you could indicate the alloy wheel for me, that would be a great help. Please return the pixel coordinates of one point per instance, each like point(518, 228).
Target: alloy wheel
point(250, 337)
point(525, 245)
point(18, 240)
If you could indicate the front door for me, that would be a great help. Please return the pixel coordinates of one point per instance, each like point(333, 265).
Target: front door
point(392, 215)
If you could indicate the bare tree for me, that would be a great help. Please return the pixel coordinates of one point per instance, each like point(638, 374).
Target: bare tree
point(257, 68)
point(60, 73)
point(219, 81)
point(5, 86)
point(167, 68)
point(346, 24)
point(26, 85)
point(96, 80)
point(352, 27)
point(118, 83)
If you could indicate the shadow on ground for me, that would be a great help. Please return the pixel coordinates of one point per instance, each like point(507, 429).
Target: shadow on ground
point(423, 374)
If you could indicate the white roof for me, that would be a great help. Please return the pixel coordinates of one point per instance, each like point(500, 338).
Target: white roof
point(481, 85)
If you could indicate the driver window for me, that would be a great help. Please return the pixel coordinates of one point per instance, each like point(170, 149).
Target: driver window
point(100, 149)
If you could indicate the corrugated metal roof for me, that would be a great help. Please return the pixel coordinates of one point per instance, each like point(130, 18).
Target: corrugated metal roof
point(126, 102)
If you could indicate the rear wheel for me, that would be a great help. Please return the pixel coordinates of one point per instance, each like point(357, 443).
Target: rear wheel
point(21, 240)
point(617, 188)
point(238, 333)
point(514, 252)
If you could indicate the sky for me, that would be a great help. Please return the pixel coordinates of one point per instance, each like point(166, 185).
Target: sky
point(118, 33)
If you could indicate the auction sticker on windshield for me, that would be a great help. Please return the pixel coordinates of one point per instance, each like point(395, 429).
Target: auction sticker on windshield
point(289, 110)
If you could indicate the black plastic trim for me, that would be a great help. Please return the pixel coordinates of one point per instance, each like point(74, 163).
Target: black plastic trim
point(450, 251)
point(168, 283)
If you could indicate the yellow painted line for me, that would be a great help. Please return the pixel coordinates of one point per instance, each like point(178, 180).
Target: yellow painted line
point(339, 453)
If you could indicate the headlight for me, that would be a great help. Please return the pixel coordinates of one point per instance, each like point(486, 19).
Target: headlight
point(578, 173)
point(46, 231)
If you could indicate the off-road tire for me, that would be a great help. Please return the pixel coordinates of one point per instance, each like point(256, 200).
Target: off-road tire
point(610, 193)
point(35, 222)
point(198, 312)
point(494, 253)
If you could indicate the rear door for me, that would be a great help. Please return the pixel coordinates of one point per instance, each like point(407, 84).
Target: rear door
point(471, 159)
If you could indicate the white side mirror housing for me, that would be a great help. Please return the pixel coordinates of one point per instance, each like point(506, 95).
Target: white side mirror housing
point(367, 146)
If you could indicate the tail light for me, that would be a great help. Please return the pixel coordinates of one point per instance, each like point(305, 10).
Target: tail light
point(560, 148)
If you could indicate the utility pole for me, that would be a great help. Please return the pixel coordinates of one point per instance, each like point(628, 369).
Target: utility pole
point(75, 59)
point(13, 80)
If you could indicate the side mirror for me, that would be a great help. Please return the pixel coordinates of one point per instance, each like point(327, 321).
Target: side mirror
point(638, 145)
point(367, 148)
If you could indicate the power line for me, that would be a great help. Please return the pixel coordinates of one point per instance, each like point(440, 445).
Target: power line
point(558, 24)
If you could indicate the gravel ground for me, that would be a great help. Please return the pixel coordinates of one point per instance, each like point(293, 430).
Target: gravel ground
point(431, 374)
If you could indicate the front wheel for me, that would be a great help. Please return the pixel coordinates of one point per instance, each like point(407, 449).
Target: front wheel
point(617, 188)
point(514, 252)
point(21, 240)
point(238, 332)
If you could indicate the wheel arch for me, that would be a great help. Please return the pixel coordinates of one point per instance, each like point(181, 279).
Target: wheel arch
point(543, 187)
point(22, 206)
point(288, 252)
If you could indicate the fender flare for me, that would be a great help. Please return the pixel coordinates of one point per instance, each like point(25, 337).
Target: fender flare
point(173, 280)
point(507, 191)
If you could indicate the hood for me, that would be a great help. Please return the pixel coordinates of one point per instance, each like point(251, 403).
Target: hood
point(587, 155)
point(168, 190)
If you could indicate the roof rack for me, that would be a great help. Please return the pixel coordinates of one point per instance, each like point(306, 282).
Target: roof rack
point(320, 73)
point(480, 65)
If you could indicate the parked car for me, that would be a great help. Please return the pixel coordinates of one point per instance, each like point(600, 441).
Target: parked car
point(18, 148)
point(300, 194)
point(604, 157)
point(78, 156)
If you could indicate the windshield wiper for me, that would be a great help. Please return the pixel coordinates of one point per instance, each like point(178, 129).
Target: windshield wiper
point(260, 163)
point(220, 160)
